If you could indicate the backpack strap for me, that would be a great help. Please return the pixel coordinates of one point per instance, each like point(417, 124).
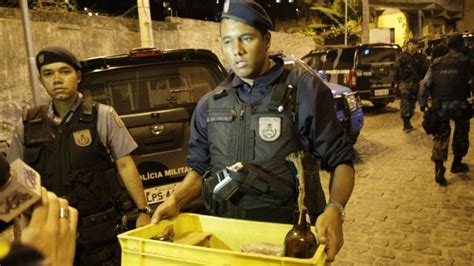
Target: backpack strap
point(36, 125)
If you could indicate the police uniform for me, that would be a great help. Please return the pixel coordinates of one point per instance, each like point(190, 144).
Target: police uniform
point(447, 84)
point(411, 69)
point(75, 157)
point(284, 111)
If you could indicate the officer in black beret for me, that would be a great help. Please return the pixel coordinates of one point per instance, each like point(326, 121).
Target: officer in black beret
point(447, 82)
point(249, 118)
point(54, 54)
point(79, 147)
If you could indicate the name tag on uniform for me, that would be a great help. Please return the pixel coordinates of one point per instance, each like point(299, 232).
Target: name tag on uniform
point(82, 138)
point(269, 128)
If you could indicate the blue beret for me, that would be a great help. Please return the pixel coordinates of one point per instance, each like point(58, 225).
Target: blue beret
point(249, 12)
point(53, 54)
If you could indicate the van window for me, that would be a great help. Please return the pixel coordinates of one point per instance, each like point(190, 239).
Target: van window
point(346, 59)
point(370, 55)
point(148, 88)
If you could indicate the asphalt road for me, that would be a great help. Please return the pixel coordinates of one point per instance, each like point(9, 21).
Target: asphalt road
point(397, 214)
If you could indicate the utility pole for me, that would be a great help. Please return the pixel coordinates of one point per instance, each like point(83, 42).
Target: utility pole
point(35, 87)
point(420, 23)
point(365, 21)
point(144, 19)
point(345, 22)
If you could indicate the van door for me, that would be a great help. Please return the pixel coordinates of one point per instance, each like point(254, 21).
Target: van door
point(156, 102)
point(376, 73)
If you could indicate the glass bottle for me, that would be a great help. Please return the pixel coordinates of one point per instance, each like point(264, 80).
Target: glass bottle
point(300, 242)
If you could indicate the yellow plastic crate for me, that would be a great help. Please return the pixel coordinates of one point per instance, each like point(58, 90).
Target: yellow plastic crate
point(228, 235)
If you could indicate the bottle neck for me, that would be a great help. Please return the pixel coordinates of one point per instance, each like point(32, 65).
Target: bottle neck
point(303, 218)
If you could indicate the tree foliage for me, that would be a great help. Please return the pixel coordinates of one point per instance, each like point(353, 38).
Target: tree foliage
point(325, 24)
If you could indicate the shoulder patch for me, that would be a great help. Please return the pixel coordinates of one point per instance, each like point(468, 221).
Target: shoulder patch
point(118, 120)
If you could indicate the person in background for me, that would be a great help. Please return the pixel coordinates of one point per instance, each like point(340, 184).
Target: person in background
point(259, 115)
point(412, 66)
point(78, 147)
point(447, 82)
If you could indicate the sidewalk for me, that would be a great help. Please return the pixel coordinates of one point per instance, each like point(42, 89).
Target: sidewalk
point(397, 214)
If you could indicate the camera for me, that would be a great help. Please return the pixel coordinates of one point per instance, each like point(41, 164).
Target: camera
point(227, 187)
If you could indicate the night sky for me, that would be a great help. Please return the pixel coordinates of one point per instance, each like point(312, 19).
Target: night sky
point(197, 9)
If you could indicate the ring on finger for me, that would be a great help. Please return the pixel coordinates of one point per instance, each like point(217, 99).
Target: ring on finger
point(63, 212)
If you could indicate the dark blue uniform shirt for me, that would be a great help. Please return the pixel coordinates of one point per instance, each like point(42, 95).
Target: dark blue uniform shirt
point(320, 131)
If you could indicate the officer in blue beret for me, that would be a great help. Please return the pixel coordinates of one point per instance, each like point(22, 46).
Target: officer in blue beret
point(258, 116)
point(79, 148)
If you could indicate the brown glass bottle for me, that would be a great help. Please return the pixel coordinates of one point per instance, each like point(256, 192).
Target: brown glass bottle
point(300, 242)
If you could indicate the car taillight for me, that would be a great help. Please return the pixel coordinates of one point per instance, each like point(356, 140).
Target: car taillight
point(144, 52)
point(350, 79)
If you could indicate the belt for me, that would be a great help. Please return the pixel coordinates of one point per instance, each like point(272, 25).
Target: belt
point(99, 217)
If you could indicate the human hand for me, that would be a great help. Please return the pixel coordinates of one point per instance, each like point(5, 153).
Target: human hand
point(167, 209)
point(329, 229)
point(142, 220)
point(52, 229)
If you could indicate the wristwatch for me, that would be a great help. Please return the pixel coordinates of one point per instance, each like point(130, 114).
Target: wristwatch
point(146, 210)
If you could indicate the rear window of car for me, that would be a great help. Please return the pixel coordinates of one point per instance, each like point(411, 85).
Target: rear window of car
point(370, 55)
point(339, 59)
point(151, 87)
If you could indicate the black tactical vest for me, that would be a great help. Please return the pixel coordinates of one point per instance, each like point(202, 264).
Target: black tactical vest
point(70, 157)
point(262, 134)
point(450, 78)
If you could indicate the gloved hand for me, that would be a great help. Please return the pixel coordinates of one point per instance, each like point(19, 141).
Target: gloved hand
point(422, 108)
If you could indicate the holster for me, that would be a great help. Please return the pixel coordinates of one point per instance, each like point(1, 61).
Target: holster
point(99, 227)
point(430, 121)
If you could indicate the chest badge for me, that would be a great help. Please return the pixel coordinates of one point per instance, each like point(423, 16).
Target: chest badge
point(82, 138)
point(269, 128)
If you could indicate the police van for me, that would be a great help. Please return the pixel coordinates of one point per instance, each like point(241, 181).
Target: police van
point(347, 103)
point(368, 69)
point(155, 93)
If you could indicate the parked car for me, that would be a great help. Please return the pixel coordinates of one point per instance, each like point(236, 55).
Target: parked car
point(155, 93)
point(347, 102)
point(368, 69)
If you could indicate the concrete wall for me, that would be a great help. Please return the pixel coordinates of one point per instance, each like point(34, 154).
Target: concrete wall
point(467, 22)
point(394, 18)
point(95, 36)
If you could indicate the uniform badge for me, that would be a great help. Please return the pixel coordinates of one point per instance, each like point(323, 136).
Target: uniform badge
point(82, 138)
point(118, 120)
point(269, 128)
point(41, 58)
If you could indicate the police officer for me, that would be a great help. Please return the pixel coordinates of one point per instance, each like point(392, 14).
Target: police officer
point(258, 115)
point(78, 147)
point(412, 66)
point(447, 82)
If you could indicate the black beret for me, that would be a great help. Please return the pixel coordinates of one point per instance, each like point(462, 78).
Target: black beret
point(53, 54)
point(413, 40)
point(249, 12)
point(456, 41)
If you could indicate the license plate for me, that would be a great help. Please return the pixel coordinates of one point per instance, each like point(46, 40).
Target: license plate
point(159, 194)
point(382, 92)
